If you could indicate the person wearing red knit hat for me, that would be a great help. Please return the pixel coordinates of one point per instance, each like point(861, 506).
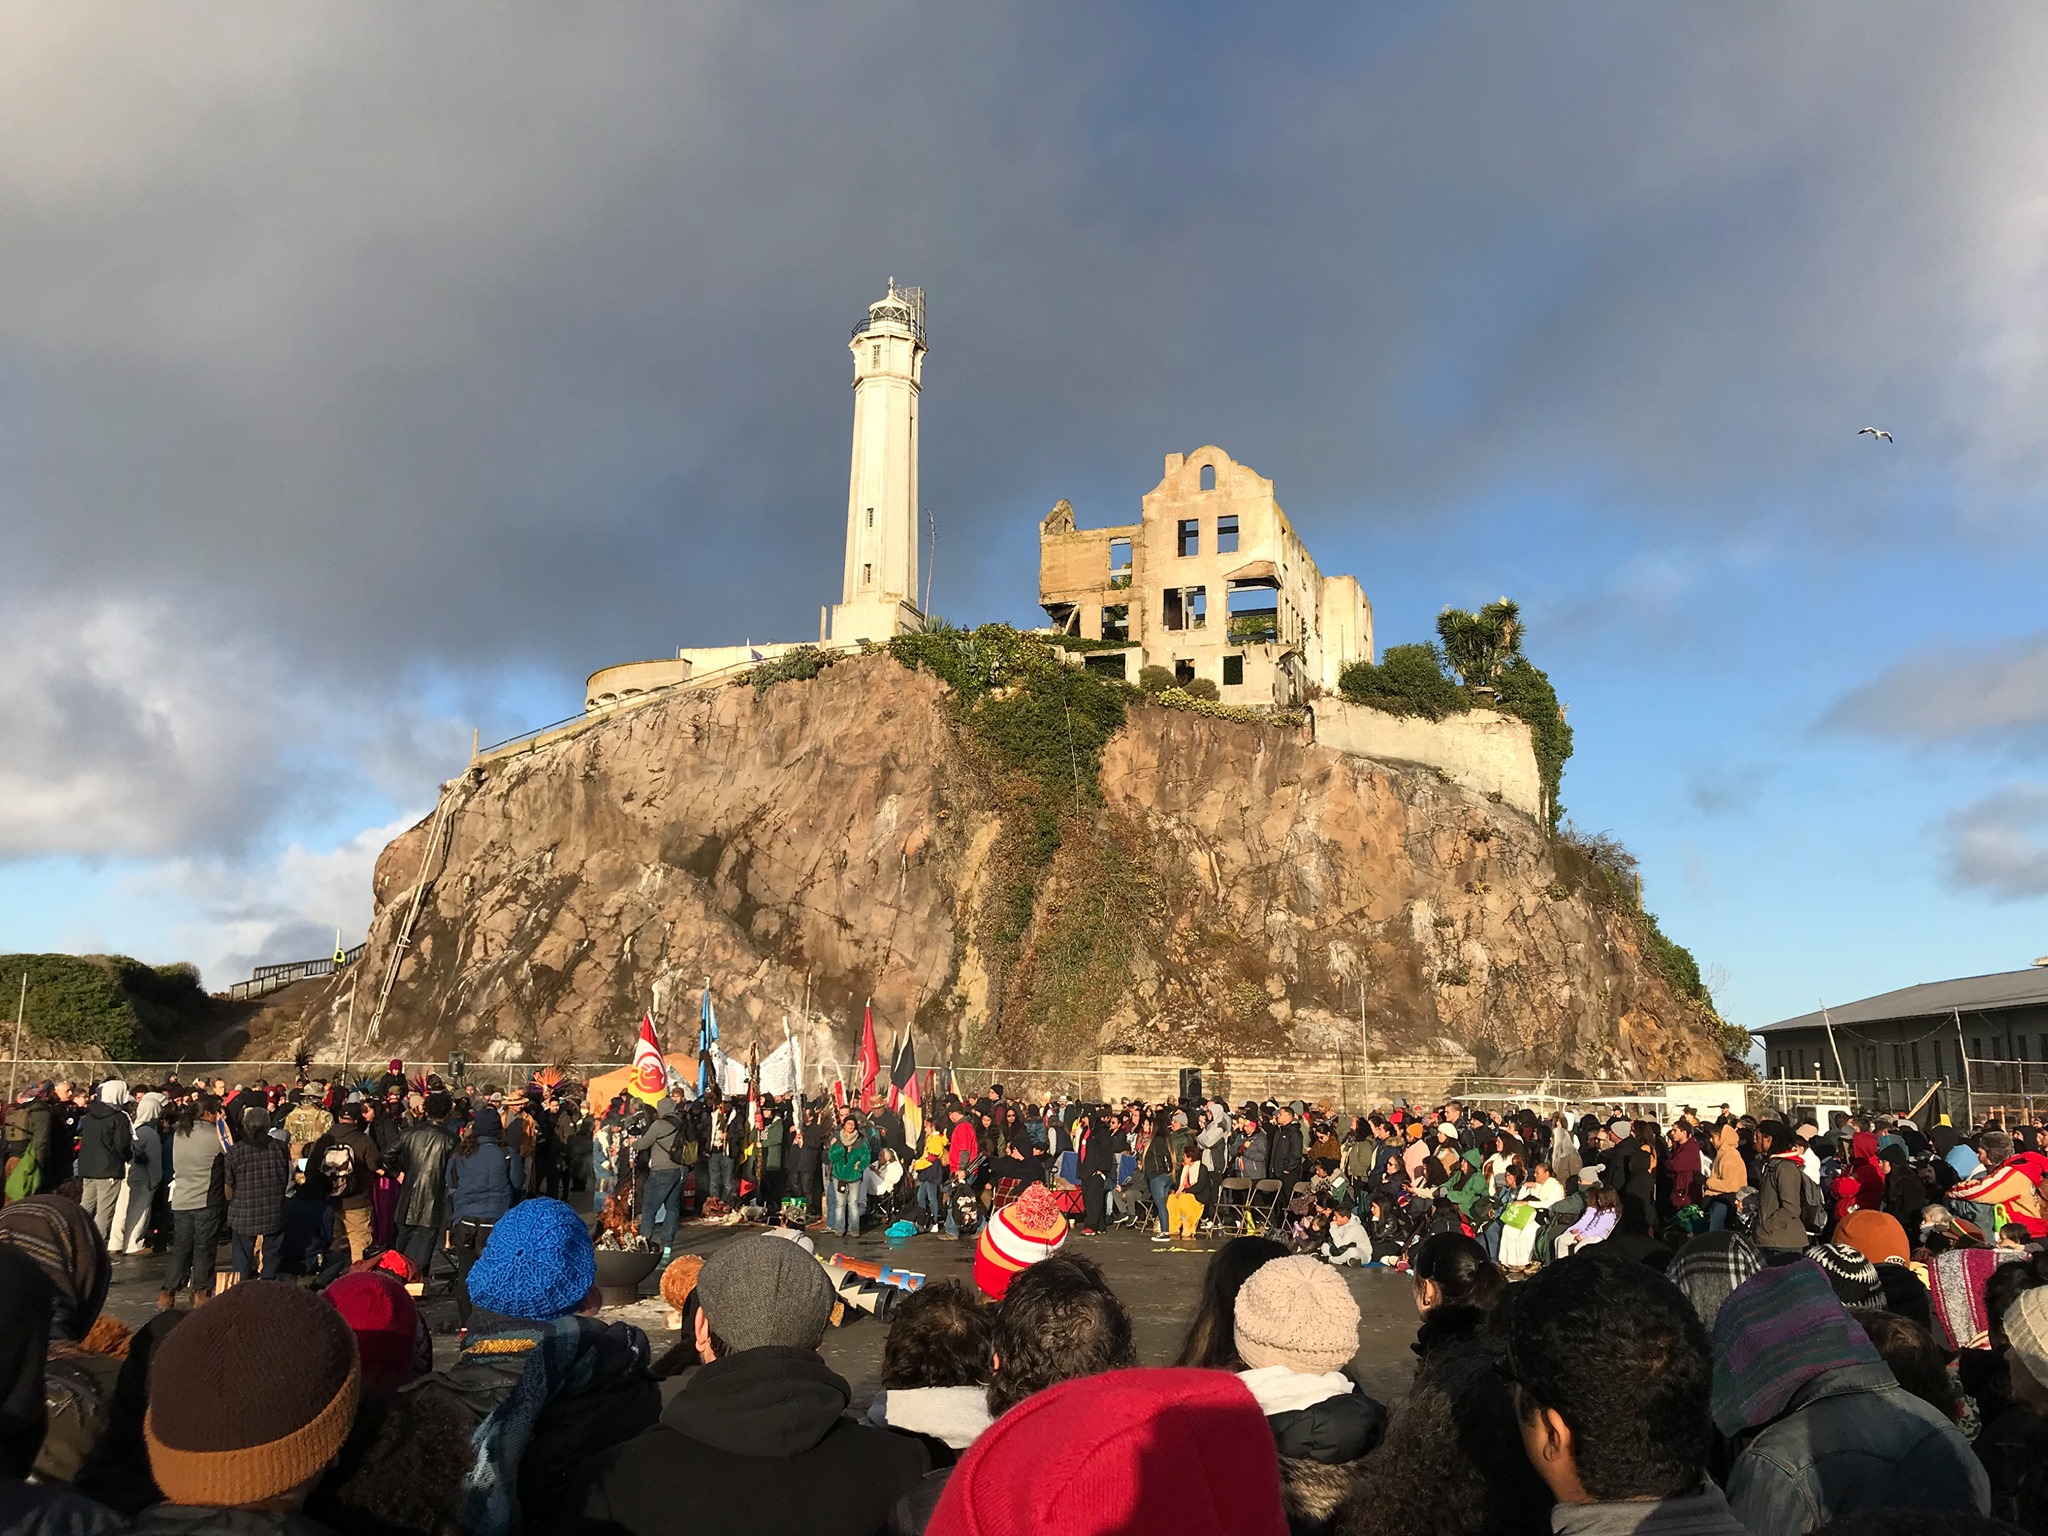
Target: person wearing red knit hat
point(1017, 1236)
point(1185, 1451)
point(391, 1339)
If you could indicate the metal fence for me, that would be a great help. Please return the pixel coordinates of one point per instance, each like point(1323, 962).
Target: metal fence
point(266, 979)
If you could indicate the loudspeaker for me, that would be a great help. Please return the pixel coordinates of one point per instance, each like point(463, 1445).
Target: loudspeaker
point(1191, 1083)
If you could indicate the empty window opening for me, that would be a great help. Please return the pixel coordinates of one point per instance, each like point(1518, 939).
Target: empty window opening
point(867, 575)
point(1109, 664)
point(1183, 670)
point(1226, 535)
point(1116, 622)
point(1233, 670)
point(1195, 605)
point(1170, 612)
point(1190, 536)
point(1208, 477)
point(871, 517)
point(1254, 614)
point(1119, 562)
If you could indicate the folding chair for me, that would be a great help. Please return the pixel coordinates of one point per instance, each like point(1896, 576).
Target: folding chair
point(1265, 1201)
point(1233, 1202)
point(1137, 1201)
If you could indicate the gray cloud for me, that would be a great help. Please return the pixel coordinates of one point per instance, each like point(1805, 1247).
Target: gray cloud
point(1993, 692)
point(1729, 791)
point(378, 345)
point(2000, 844)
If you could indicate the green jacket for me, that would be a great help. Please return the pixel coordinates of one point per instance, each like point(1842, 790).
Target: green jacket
point(771, 1146)
point(848, 1163)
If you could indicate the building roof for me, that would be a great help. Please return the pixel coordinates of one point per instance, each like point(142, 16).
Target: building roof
point(1970, 994)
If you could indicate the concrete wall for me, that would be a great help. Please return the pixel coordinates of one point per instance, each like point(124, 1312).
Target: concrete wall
point(1482, 751)
point(1339, 1082)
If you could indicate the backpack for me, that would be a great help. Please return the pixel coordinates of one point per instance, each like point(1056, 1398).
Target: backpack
point(1813, 1205)
point(338, 1167)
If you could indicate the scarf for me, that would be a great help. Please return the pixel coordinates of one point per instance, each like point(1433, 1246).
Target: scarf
point(1709, 1269)
point(560, 1356)
point(1955, 1280)
point(63, 1242)
point(1779, 1330)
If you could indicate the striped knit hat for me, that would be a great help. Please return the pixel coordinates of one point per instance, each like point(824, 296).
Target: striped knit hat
point(1851, 1275)
point(1016, 1237)
point(55, 1232)
point(1780, 1329)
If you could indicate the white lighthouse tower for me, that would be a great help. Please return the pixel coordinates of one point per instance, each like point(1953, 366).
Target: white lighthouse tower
point(880, 589)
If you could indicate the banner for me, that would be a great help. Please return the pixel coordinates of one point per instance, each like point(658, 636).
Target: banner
point(870, 1059)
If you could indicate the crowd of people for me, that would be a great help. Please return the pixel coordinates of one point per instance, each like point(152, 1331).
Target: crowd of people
point(1717, 1325)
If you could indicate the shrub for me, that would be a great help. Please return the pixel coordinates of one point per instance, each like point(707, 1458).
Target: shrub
point(1155, 679)
point(1407, 680)
point(1204, 688)
point(104, 1000)
point(806, 661)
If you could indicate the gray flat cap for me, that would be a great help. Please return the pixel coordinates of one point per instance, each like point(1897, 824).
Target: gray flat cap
point(761, 1291)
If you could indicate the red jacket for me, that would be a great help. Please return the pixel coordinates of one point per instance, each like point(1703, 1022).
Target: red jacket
point(962, 1147)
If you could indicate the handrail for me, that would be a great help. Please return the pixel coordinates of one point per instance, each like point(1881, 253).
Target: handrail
point(266, 979)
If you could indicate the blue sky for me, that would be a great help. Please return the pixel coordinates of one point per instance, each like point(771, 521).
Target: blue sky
point(360, 388)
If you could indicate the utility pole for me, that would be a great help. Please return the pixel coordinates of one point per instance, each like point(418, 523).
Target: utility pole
point(1963, 1054)
point(20, 1012)
point(1840, 1075)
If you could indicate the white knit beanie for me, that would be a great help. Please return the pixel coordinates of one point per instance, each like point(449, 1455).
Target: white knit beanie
point(1297, 1312)
point(2026, 1329)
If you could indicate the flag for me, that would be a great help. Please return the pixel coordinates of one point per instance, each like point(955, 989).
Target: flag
point(650, 1071)
point(707, 1037)
point(903, 1094)
point(839, 1093)
point(870, 1058)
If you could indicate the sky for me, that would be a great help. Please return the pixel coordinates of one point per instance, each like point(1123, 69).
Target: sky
point(370, 374)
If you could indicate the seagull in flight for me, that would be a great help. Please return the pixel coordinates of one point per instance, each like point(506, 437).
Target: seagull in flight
point(1874, 433)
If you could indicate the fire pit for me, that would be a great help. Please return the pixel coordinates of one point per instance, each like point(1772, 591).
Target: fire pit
point(620, 1271)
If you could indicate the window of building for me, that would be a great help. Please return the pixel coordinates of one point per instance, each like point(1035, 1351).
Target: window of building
point(1977, 1046)
point(1170, 608)
point(1233, 671)
point(1119, 562)
point(1183, 670)
point(1116, 622)
point(1190, 536)
point(1939, 1070)
point(1196, 607)
point(867, 575)
point(1915, 1048)
point(1208, 477)
point(2021, 1042)
point(1898, 1061)
point(877, 360)
point(1109, 664)
point(1226, 535)
point(871, 517)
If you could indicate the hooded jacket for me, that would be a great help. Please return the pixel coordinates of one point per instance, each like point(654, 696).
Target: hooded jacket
point(481, 1180)
point(1322, 1425)
point(1729, 1174)
point(104, 1135)
point(766, 1428)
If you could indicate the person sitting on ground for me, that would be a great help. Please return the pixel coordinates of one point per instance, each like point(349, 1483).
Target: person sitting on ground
point(1709, 1268)
point(1211, 1337)
point(1179, 1451)
point(1611, 1372)
point(1348, 1242)
point(1297, 1328)
point(549, 1384)
point(1820, 1426)
point(61, 1239)
point(758, 1440)
point(250, 1399)
point(935, 1370)
point(1454, 1446)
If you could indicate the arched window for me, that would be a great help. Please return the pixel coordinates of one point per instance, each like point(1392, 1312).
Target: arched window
point(1208, 477)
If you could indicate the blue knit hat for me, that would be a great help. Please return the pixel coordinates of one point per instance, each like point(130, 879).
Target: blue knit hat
point(539, 1263)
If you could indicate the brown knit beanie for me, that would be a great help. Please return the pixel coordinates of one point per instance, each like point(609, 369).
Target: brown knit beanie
point(251, 1396)
point(1297, 1312)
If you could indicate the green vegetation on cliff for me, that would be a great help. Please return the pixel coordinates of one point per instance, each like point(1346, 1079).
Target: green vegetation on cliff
point(1476, 661)
point(107, 1001)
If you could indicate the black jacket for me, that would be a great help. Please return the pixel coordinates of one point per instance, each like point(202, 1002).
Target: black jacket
point(1284, 1155)
point(1320, 1447)
point(767, 1429)
point(423, 1154)
point(104, 1139)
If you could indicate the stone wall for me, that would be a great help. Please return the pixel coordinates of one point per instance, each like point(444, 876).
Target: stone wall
point(1485, 752)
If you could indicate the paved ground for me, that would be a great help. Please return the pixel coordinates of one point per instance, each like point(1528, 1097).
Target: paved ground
point(1158, 1283)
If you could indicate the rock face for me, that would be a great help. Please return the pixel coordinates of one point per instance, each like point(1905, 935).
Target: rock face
point(826, 841)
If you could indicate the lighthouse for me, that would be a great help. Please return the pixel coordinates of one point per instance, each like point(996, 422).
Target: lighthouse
point(879, 596)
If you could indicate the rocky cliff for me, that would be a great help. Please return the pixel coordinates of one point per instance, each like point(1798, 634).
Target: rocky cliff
point(1233, 888)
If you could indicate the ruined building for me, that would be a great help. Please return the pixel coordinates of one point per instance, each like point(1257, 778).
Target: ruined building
point(1211, 582)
